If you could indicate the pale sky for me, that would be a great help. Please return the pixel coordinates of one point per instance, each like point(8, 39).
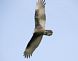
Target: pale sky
point(17, 27)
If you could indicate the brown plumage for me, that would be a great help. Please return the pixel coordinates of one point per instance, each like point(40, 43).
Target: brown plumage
point(39, 31)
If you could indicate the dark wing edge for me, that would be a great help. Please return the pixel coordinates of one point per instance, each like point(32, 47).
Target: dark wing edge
point(32, 45)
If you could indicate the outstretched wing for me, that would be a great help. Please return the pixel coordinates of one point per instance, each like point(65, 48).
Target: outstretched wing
point(33, 44)
point(40, 16)
point(39, 28)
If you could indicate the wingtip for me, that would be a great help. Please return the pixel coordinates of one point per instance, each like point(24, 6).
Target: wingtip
point(27, 55)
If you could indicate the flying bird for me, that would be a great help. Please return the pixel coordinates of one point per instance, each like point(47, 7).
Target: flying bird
point(39, 31)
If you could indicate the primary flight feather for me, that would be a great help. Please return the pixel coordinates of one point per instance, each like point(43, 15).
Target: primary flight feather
point(40, 19)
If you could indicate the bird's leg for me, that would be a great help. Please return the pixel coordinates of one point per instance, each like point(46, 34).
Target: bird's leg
point(48, 32)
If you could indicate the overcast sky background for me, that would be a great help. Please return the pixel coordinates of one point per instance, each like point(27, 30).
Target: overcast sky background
point(17, 26)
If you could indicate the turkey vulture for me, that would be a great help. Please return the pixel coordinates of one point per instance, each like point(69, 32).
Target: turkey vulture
point(40, 19)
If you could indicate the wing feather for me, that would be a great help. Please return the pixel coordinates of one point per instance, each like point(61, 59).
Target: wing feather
point(40, 16)
point(33, 44)
point(40, 19)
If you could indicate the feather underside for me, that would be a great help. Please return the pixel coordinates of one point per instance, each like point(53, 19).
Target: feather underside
point(40, 19)
point(33, 44)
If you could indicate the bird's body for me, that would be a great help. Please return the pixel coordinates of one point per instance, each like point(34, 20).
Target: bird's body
point(39, 31)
